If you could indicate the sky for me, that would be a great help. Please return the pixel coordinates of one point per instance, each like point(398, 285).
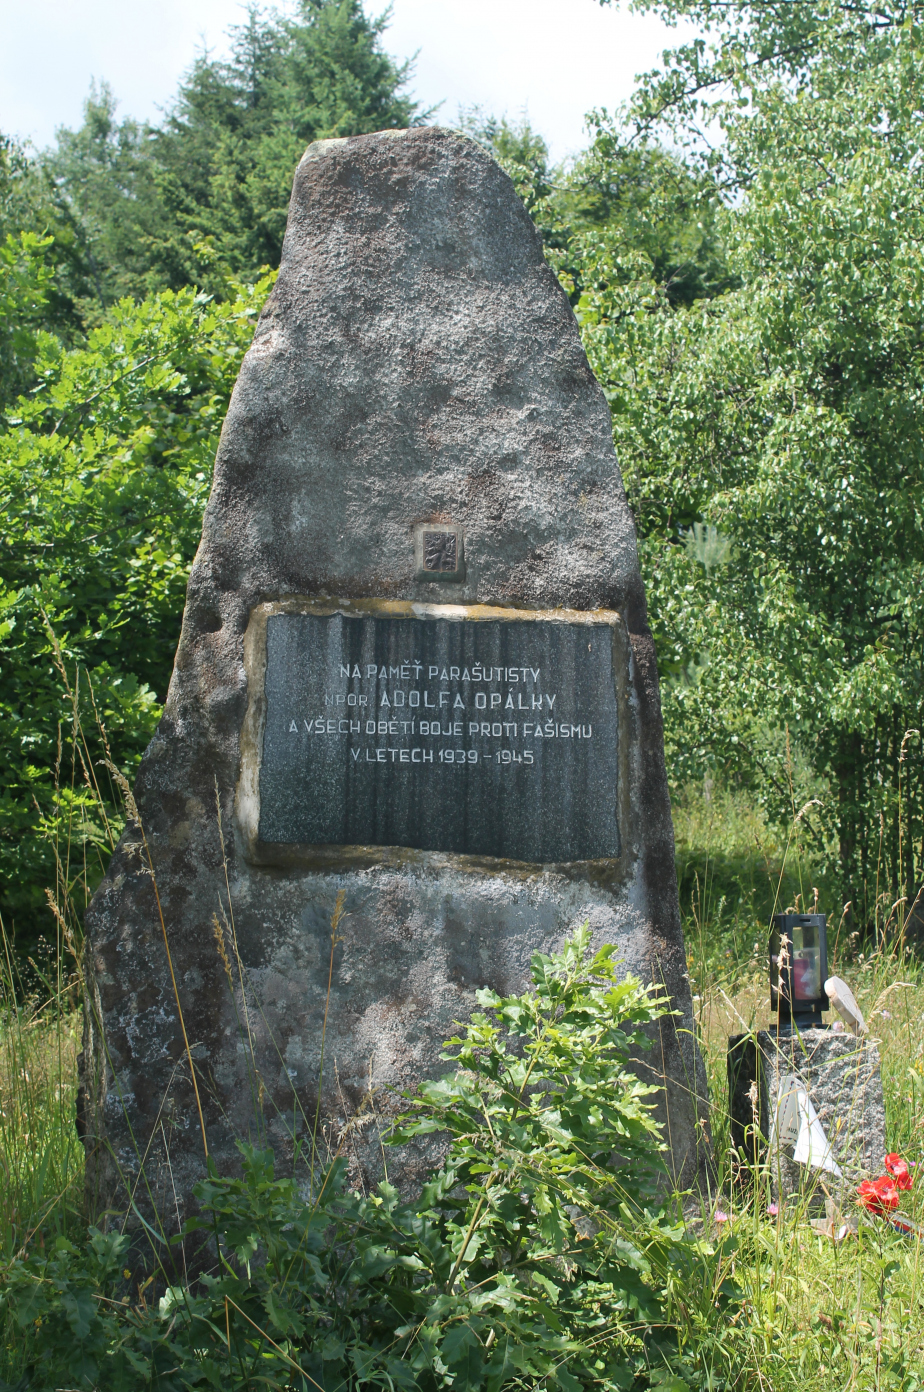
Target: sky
point(552, 60)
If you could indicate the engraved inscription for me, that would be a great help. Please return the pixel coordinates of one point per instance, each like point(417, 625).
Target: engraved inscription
point(439, 550)
point(482, 738)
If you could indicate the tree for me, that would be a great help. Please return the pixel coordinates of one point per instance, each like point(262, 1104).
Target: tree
point(103, 185)
point(206, 194)
point(104, 472)
point(39, 268)
point(660, 213)
point(24, 278)
point(788, 414)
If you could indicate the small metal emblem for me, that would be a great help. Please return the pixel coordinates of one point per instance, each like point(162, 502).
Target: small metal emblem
point(438, 551)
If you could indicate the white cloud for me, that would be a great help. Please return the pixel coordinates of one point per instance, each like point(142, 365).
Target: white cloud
point(554, 59)
point(51, 50)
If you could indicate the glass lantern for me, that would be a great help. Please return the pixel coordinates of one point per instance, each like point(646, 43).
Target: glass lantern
point(799, 968)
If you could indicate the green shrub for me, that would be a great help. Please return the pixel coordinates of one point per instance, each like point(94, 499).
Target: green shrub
point(104, 471)
point(539, 1253)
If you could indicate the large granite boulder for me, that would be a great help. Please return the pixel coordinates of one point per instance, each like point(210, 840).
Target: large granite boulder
point(415, 483)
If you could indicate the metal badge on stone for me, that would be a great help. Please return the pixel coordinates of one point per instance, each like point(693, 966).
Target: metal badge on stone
point(438, 551)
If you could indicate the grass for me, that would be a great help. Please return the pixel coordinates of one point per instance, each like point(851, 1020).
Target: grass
point(819, 1314)
point(41, 1158)
point(809, 1312)
point(815, 1314)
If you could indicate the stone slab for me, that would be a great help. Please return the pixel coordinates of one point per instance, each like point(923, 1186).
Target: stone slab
point(841, 1074)
point(417, 370)
point(490, 735)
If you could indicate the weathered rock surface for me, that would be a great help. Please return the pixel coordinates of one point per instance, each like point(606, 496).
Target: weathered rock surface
point(841, 1075)
point(417, 362)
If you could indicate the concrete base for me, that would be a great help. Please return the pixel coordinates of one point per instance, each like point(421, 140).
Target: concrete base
point(842, 1078)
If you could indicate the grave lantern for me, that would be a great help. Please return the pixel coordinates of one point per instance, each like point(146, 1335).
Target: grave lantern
point(799, 968)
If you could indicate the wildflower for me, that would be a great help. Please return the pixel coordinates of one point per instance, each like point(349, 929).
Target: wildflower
point(773, 1209)
point(720, 1217)
point(898, 1169)
point(878, 1196)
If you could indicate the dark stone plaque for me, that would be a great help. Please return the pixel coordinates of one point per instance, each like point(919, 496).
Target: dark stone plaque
point(483, 738)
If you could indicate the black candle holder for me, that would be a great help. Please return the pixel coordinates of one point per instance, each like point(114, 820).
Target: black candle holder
point(799, 968)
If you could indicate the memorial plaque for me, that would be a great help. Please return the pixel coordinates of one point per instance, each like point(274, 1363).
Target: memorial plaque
point(494, 738)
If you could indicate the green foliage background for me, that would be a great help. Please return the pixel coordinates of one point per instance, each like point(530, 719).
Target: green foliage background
point(133, 263)
point(742, 246)
point(771, 435)
point(104, 473)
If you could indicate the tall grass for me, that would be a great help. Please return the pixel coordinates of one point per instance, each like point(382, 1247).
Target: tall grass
point(815, 1313)
point(41, 1158)
point(799, 1310)
point(41, 991)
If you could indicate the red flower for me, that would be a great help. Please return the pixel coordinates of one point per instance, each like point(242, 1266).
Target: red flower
point(880, 1195)
point(898, 1169)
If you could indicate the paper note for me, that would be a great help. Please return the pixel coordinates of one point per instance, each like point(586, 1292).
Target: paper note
point(812, 1146)
point(785, 1128)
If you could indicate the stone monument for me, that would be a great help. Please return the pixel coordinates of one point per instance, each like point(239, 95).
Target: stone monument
point(807, 1105)
point(415, 696)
